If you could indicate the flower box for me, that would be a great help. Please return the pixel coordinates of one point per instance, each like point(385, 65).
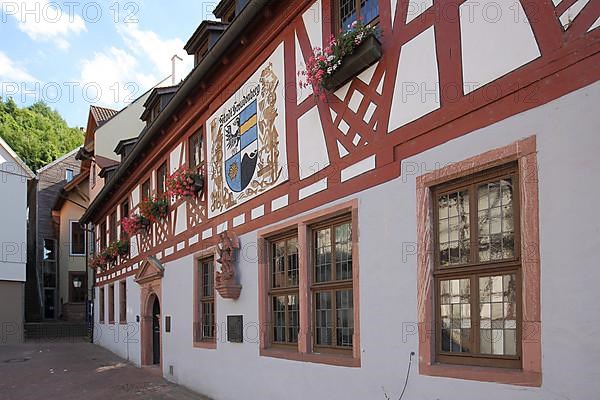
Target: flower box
point(184, 183)
point(155, 209)
point(362, 57)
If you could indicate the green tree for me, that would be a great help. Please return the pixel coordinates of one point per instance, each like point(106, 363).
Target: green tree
point(38, 134)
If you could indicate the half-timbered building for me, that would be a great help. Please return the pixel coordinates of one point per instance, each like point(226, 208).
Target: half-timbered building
point(429, 214)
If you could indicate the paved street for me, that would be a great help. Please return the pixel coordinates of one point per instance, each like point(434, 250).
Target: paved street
point(79, 370)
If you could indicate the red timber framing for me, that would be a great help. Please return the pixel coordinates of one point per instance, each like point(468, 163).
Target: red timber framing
point(568, 61)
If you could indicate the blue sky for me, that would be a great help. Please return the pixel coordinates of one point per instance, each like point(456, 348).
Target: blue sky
point(75, 53)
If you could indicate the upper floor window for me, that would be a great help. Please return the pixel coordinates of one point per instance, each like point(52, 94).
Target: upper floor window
point(69, 175)
point(146, 190)
point(348, 11)
point(283, 292)
point(478, 271)
point(195, 150)
point(102, 234)
point(161, 178)
point(93, 175)
point(112, 227)
point(125, 209)
point(77, 239)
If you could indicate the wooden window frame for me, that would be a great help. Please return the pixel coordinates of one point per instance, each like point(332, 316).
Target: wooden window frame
point(198, 340)
point(337, 18)
point(112, 227)
point(332, 286)
point(71, 241)
point(162, 174)
point(123, 302)
point(523, 153)
point(281, 291)
point(125, 209)
point(474, 268)
point(103, 236)
point(101, 306)
point(111, 303)
point(305, 350)
point(146, 194)
point(196, 137)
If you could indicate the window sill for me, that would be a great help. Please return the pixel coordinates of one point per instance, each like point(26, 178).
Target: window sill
point(206, 344)
point(483, 374)
point(320, 358)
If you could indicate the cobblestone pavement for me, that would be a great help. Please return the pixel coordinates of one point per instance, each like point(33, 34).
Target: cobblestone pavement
point(72, 370)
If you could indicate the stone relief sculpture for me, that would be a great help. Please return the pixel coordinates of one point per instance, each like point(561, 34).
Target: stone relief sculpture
point(225, 280)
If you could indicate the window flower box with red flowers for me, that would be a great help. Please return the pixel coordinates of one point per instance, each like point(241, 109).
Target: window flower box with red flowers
point(134, 224)
point(184, 183)
point(347, 55)
point(98, 262)
point(155, 209)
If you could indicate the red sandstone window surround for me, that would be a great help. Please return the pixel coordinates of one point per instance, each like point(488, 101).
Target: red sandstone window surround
point(205, 329)
point(308, 288)
point(478, 268)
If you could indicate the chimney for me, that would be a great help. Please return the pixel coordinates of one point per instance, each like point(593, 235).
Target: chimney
point(173, 69)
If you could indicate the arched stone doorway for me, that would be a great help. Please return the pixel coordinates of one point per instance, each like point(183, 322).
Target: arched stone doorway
point(149, 278)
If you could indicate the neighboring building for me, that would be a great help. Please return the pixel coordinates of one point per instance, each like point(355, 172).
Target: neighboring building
point(43, 300)
point(440, 202)
point(73, 274)
point(15, 178)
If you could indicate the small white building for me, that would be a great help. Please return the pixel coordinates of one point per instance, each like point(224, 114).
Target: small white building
point(14, 178)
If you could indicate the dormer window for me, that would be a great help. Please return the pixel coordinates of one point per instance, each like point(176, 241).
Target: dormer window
point(348, 11)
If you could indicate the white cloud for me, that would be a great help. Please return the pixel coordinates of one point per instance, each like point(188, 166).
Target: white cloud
point(123, 74)
point(10, 72)
point(44, 20)
point(157, 50)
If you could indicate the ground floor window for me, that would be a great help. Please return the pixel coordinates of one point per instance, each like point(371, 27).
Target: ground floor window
point(308, 285)
point(77, 287)
point(204, 297)
point(111, 304)
point(101, 305)
point(478, 268)
point(123, 302)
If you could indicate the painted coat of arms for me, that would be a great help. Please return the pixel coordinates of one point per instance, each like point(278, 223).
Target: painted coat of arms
point(247, 140)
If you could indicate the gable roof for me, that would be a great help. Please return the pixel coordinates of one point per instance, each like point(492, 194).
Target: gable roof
point(102, 114)
point(17, 159)
point(64, 157)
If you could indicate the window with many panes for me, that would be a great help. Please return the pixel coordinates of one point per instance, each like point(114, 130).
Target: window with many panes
point(348, 11)
point(206, 300)
point(331, 287)
point(477, 269)
point(195, 150)
point(283, 289)
point(161, 178)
